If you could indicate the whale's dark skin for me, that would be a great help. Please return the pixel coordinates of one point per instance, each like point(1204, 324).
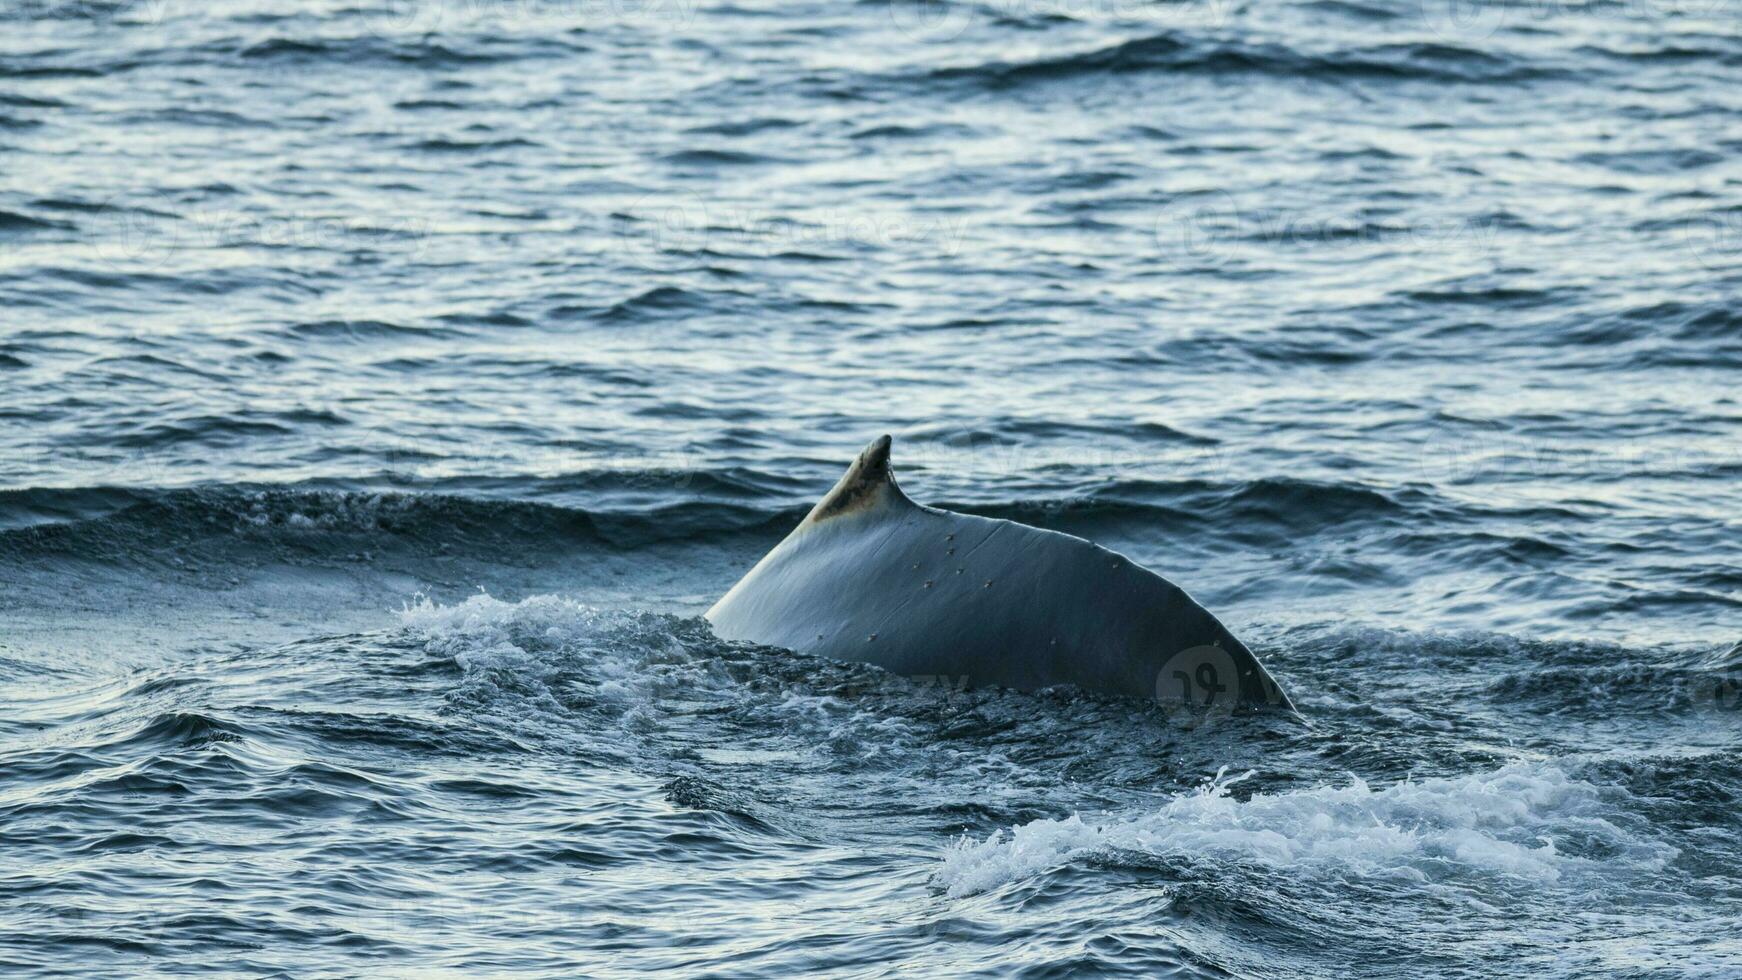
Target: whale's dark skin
point(869, 575)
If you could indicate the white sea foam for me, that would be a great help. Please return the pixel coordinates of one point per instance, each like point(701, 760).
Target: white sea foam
point(484, 620)
point(1502, 822)
point(549, 655)
point(548, 647)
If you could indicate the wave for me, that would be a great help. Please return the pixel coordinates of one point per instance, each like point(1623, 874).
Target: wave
point(627, 508)
point(115, 524)
point(1522, 826)
point(1182, 53)
point(185, 729)
point(657, 303)
point(1243, 509)
point(364, 330)
point(470, 146)
point(365, 50)
point(624, 508)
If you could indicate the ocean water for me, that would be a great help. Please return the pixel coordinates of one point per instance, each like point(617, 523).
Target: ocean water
point(386, 389)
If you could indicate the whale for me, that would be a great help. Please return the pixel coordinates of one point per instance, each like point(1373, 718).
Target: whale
point(870, 576)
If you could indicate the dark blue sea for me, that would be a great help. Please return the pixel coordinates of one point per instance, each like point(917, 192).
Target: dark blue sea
point(386, 388)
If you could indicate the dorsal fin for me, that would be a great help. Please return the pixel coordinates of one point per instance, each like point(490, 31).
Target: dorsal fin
point(868, 484)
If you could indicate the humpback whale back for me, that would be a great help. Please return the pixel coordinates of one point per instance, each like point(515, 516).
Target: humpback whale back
point(869, 575)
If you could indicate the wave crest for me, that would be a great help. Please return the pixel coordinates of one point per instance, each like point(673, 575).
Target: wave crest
point(1529, 822)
